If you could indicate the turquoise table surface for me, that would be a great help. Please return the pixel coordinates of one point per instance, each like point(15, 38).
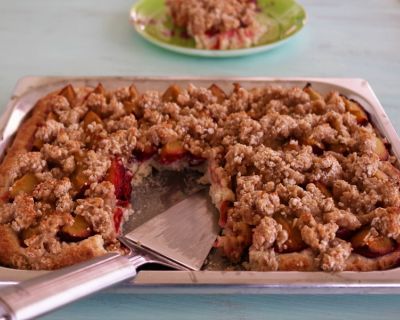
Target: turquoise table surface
point(357, 38)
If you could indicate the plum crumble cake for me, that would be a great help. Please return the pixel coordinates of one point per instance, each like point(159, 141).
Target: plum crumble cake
point(216, 24)
point(301, 181)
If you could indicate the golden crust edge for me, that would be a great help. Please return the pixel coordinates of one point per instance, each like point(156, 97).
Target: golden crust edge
point(307, 261)
point(10, 248)
point(22, 141)
point(11, 251)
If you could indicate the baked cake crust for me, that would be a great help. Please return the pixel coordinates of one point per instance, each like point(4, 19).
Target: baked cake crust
point(302, 182)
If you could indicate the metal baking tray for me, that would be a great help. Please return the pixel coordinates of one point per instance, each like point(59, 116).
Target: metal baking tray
point(29, 89)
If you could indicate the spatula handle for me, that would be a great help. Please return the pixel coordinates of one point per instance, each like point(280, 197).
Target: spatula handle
point(52, 290)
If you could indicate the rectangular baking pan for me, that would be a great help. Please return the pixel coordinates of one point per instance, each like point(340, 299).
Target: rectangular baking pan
point(29, 89)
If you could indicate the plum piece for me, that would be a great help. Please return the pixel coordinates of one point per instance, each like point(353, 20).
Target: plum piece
point(294, 243)
point(133, 91)
point(131, 107)
point(344, 233)
point(314, 95)
point(380, 149)
point(171, 152)
point(121, 178)
point(117, 218)
point(223, 213)
point(78, 178)
point(356, 110)
point(99, 89)
point(37, 144)
point(217, 92)
point(370, 245)
point(381, 175)
point(78, 230)
point(25, 184)
point(171, 94)
point(69, 93)
point(91, 117)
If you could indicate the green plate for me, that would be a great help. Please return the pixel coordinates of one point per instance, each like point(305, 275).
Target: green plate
point(284, 19)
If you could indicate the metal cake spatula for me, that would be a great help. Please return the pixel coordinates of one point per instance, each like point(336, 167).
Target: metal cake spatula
point(180, 237)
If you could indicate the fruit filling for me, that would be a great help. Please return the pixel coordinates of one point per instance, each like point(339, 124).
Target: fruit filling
point(121, 178)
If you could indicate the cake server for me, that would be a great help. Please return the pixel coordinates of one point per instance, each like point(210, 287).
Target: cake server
point(180, 237)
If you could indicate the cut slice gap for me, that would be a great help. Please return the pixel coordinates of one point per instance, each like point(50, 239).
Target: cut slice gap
point(159, 191)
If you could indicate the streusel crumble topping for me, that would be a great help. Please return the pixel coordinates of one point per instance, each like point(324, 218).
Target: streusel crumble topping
point(301, 181)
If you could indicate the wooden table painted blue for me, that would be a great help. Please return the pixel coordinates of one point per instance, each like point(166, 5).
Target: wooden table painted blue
point(357, 38)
